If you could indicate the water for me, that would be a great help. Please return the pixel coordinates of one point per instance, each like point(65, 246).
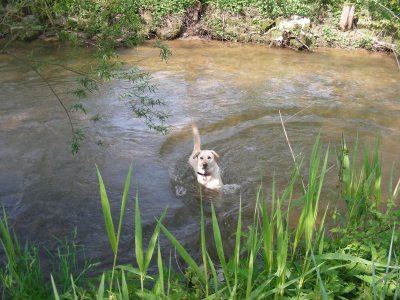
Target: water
point(234, 93)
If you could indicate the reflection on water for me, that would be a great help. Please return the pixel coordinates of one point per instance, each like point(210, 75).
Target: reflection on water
point(234, 92)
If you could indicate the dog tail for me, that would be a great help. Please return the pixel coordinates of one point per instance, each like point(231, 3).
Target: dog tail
point(196, 139)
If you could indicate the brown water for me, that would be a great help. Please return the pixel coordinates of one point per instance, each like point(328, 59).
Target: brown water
point(233, 91)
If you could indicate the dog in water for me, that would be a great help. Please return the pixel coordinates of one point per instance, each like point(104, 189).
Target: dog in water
point(204, 164)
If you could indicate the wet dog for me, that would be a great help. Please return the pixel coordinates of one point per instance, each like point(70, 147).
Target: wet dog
point(204, 164)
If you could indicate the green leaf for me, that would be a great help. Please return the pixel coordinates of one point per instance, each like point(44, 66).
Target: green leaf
point(56, 296)
point(219, 246)
point(73, 288)
point(152, 243)
point(105, 204)
point(100, 291)
point(185, 255)
point(160, 269)
point(125, 292)
point(203, 244)
point(138, 236)
point(350, 258)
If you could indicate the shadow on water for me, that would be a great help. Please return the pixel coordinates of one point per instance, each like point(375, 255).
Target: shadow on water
point(234, 92)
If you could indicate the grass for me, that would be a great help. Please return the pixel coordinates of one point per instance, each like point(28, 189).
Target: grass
point(275, 256)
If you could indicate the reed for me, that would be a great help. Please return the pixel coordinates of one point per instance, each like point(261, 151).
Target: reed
point(361, 188)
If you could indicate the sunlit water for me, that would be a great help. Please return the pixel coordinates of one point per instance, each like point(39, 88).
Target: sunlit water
point(234, 93)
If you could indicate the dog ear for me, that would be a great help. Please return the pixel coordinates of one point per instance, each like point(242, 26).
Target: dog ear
point(215, 153)
point(196, 154)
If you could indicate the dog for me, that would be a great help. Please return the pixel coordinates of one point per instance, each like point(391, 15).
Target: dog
point(204, 164)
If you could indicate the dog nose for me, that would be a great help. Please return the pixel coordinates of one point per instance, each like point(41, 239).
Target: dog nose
point(204, 164)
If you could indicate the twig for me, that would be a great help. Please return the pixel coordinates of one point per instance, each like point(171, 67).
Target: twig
point(301, 42)
point(397, 59)
point(396, 189)
point(299, 112)
point(69, 69)
point(291, 151)
point(49, 86)
point(177, 262)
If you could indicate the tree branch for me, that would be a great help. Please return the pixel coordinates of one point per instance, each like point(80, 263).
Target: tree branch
point(48, 85)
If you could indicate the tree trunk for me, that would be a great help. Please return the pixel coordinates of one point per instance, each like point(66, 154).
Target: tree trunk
point(347, 18)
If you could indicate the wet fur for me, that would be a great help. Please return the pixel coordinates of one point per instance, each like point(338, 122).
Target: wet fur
point(204, 163)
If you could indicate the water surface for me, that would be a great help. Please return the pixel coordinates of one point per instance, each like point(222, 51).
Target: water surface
point(234, 92)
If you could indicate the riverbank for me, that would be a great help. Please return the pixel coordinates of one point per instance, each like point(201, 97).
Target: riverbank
point(250, 26)
point(375, 26)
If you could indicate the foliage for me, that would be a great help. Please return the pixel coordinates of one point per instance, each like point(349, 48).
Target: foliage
point(267, 8)
point(22, 276)
point(162, 8)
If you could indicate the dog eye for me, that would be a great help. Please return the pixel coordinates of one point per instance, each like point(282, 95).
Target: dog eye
point(209, 157)
point(201, 157)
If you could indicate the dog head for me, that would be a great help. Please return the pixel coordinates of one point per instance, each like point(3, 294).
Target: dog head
point(206, 159)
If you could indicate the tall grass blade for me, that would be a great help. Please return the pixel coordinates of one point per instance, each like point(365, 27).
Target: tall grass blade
point(123, 203)
point(169, 275)
point(73, 288)
point(117, 295)
point(346, 171)
point(121, 217)
point(130, 269)
point(203, 245)
point(100, 291)
point(138, 236)
point(124, 287)
point(282, 240)
point(256, 294)
point(268, 230)
point(219, 246)
point(388, 262)
point(377, 164)
point(56, 296)
point(373, 278)
point(105, 204)
point(214, 273)
point(152, 243)
point(8, 244)
point(250, 273)
point(309, 210)
point(350, 258)
point(182, 251)
point(390, 200)
point(321, 284)
point(396, 292)
point(237, 242)
point(160, 270)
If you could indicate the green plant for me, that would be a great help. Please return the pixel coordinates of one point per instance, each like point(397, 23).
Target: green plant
point(22, 277)
point(366, 43)
point(330, 36)
point(361, 189)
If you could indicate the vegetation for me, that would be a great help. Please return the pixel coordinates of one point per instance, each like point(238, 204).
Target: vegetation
point(324, 254)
